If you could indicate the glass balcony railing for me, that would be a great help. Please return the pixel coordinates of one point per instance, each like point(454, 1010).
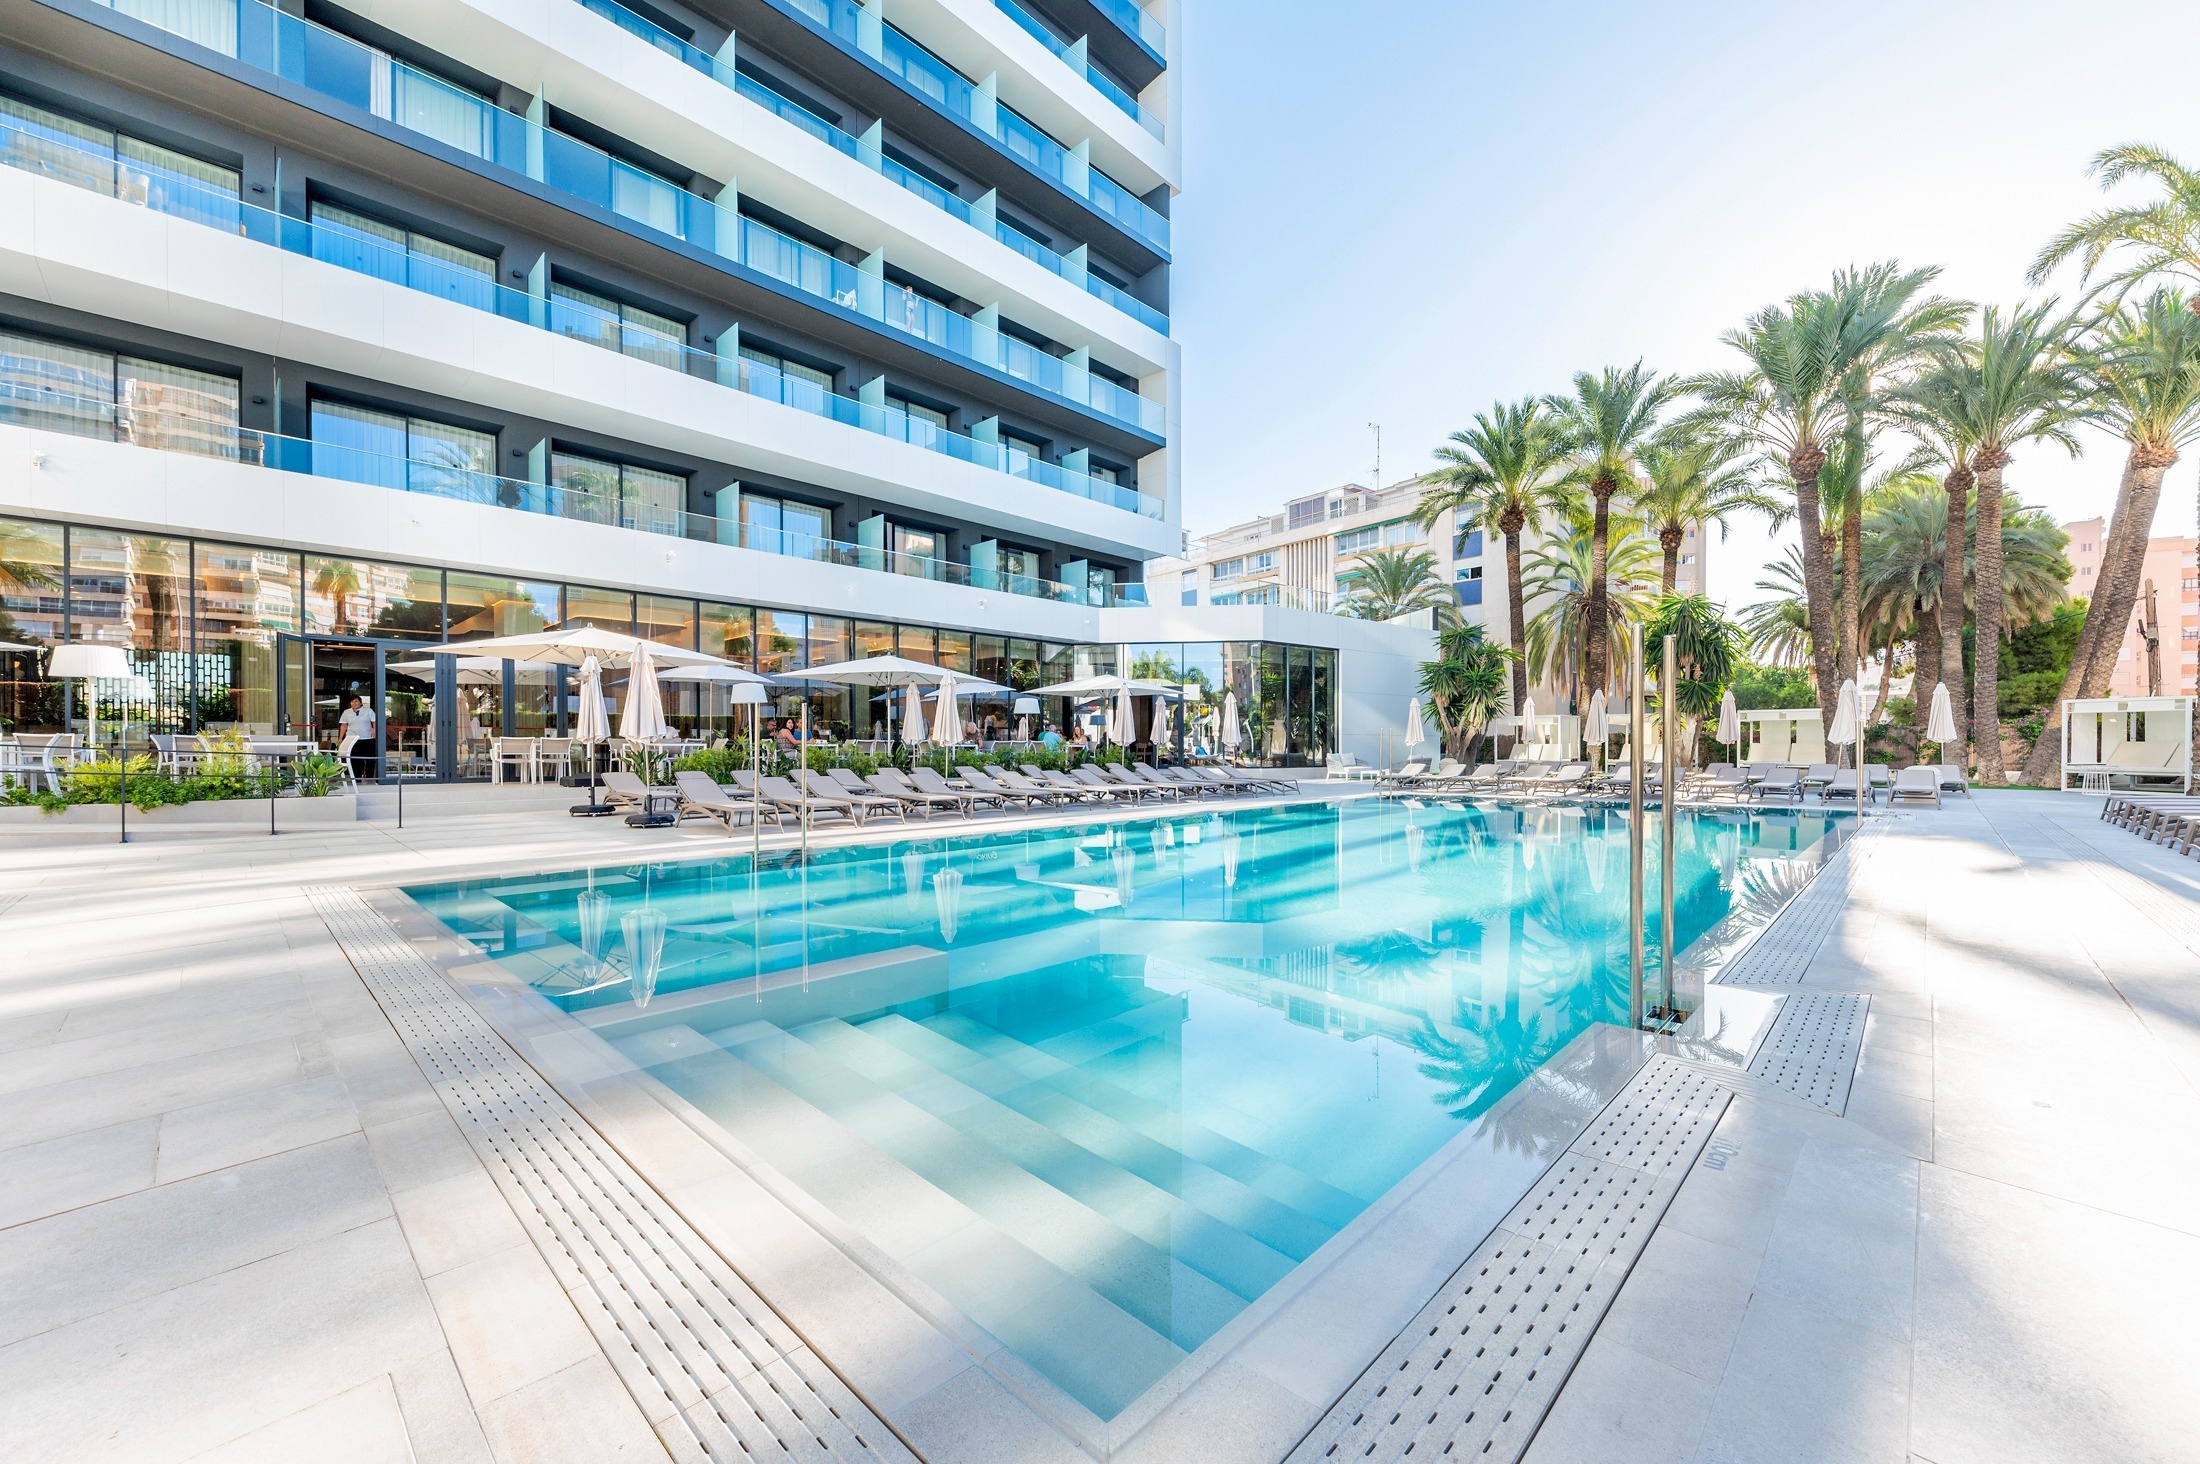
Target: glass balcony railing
point(947, 89)
point(66, 159)
point(43, 409)
point(1032, 26)
point(340, 68)
point(1137, 20)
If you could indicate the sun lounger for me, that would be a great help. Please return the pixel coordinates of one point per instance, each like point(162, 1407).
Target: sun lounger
point(1916, 785)
point(871, 804)
point(1153, 781)
point(1551, 776)
point(809, 809)
point(702, 798)
point(1238, 778)
point(1407, 774)
point(1722, 780)
point(1006, 791)
point(1817, 776)
point(1198, 787)
point(1778, 782)
point(1843, 788)
point(927, 781)
point(622, 789)
point(1088, 778)
point(1076, 787)
point(1953, 779)
point(893, 783)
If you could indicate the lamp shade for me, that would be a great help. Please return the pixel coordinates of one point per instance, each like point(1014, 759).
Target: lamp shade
point(1027, 706)
point(747, 693)
point(79, 659)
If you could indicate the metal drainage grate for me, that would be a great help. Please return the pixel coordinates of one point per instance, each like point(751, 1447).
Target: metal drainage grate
point(1812, 1048)
point(1474, 1374)
point(694, 1345)
point(1780, 955)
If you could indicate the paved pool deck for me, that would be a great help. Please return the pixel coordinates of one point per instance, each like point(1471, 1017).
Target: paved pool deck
point(238, 1222)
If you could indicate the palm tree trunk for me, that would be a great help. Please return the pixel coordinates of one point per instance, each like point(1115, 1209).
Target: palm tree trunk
point(1953, 553)
point(1817, 579)
point(1597, 652)
point(2108, 611)
point(1926, 640)
point(1669, 540)
point(1516, 613)
point(1986, 616)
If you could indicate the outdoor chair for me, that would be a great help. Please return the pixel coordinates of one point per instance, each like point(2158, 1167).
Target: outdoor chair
point(622, 789)
point(702, 798)
point(1089, 777)
point(892, 783)
point(1778, 782)
point(812, 807)
point(1919, 785)
point(1411, 772)
point(927, 781)
point(871, 804)
point(1843, 788)
point(1953, 780)
point(1003, 791)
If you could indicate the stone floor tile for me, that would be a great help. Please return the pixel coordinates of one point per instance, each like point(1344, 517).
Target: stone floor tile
point(1683, 1302)
point(508, 1323)
point(1804, 1387)
point(579, 1415)
point(229, 1131)
point(456, 1221)
point(1620, 1407)
point(359, 1426)
point(972, 1418)
point(48, 1112)
point(439, 1418)
point(1846, 1238)
point(420, 1150)
point(82, 1169)
point(1905, 1123)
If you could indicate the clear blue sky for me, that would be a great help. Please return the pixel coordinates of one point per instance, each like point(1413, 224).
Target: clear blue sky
point(1398, 211)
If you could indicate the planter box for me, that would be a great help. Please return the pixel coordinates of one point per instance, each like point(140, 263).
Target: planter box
point(229, 816)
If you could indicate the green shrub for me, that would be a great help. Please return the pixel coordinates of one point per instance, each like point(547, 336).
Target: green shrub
point(1765, 688)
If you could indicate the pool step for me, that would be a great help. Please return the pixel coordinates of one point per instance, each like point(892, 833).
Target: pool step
point(1170, 1297)
point(1098, 1352)
point(1306, 1193)
point(1217, 1250)
point(1271, 1221)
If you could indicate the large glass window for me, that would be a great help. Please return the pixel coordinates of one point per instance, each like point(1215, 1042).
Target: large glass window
point(598, 491)
point(134, 591)
point(390, 450)
point(730, 631)
point(93, 393)
point(666, 619)
point(385, 601)
point(955, 651)
point(403, 256)
point(916, 551)
point(781, 637)
point(87, 155)
point(484, 605)
point(618, 326)
point(246, 598)
point(784, 526)
point(605, 609)
point(917, 643)
point(32, 577)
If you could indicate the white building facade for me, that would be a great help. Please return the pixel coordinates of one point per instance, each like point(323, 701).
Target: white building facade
point(789, 329)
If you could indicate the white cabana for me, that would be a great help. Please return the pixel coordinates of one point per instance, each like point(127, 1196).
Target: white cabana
point(2128, 742)
point(1782, 735)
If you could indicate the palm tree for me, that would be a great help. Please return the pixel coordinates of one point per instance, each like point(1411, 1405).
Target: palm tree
point(1904, 566)
point(1933, 413)
point(1695, 478)
point(2144, 372)
point(1706, 649)
point(1798, 394)
point(1385, 583)
point(339, 580)
point(2158, 238)
point(1506, 472)
point(1561, 573)
point(1779, 628)
point(1465, 686)
point(1608, 421)
point(2014, 382)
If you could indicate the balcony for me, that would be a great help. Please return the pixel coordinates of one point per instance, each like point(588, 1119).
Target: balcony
point(748, 87)
point(66, 160)
point(50, 411)
point(949, 91)
point(1072, 55)
point(345, 71)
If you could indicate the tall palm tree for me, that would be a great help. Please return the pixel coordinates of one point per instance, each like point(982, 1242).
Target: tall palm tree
point(1506, 472)
point(1932, 411)
point(1693, 478)
point(1560, 572)
point(1383, 583)
point(2143, 368)
point(1779, 628)
point(2157, 238)
point(1797, 395)
point(1904, 566)
point(1608, 421)
point(2015, 381)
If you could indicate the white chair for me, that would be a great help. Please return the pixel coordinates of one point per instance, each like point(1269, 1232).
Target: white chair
point(1919, 784)
point(516, 753)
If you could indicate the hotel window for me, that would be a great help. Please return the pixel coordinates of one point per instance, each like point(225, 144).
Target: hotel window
point(783, 526)
point(782, 379)
point(93, 393)
point(1467, 544)
point(365, 245)
point(1227, 568)
point(1359, 541)
point(86, 155)
point(599, 491)
point(1029, 447)
point(915, 551)
point(394, 451)
point(616, 325)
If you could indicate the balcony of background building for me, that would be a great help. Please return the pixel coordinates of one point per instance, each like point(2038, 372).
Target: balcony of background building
point(344, 70)
point(158, 185)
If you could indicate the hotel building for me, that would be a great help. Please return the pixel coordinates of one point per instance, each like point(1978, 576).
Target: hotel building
point(790, 329)
point(2172, 568)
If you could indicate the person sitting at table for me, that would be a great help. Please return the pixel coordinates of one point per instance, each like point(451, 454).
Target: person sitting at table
point(785, 736)
point(1050, 739)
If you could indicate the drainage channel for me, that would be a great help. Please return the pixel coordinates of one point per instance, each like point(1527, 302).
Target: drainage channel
point(711, 1366)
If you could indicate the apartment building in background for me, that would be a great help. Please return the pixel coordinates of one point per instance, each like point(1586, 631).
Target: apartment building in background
point(2173, 567)
point(1303, 557)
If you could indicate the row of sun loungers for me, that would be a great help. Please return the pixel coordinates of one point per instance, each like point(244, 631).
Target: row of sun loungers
point(1722, 780)
point(2170, 819)
point(845, 797)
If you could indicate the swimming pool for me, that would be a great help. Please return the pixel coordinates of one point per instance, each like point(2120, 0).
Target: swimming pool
point(1100, 1088)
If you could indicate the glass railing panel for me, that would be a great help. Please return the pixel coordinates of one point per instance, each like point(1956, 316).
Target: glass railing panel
point(799, 116)
point(209, 23)
point(926, 74)
point(1034, 147)
point(1027, 362)
point(1106, 86)
point(923, 187)
point(1138, 21)
point(1128, 303)
point(1124, 405)
point(49, 156)
point(1032, 26)
point(1101, 82)
point(1127, 209)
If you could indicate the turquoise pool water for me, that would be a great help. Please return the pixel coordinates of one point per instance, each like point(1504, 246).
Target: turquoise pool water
point(1101, 1088)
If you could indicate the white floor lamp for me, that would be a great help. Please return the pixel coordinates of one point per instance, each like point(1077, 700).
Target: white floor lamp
point(83, 661)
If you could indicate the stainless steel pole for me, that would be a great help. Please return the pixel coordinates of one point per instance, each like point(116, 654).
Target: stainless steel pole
point(802, 776)
point(1635, 729)
point(1860, 739)
point(1668, 815)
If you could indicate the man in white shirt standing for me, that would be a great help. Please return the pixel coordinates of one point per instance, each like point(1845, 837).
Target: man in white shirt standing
point(357, 726)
